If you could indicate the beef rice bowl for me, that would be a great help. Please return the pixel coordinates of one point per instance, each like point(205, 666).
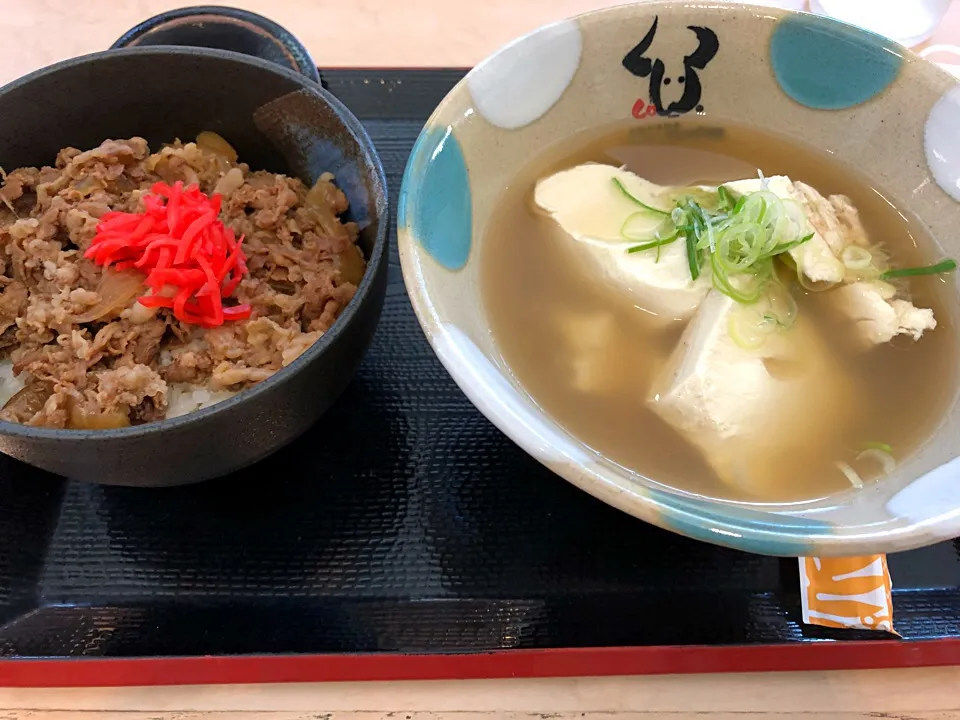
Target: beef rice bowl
point(138, 285)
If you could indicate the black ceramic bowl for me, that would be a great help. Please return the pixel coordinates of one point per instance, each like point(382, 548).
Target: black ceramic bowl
point(277, 120)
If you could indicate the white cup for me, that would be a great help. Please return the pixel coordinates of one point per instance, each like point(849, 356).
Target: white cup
point(935, 53)
point(908, 22)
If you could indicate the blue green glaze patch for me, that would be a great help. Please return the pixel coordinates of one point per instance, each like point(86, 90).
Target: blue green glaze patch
point(739, 527)
point(827, 65)
point(435, 206)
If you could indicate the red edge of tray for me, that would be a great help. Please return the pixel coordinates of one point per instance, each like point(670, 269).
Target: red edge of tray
point(563, 662)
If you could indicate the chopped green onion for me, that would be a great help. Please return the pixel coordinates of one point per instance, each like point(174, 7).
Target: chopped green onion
point(653, 244)
point(885, 459)
point(856, 257)
point(726, 199)
point(739, 240)
point(692, 259)
point(791, 245)
point(749, 326)
point(705, 198)
point(850, 474)
point(721, 281)
point(745, 334)
point(944, 266)
point(881, 452)
point(620, 186)
point(637, 227)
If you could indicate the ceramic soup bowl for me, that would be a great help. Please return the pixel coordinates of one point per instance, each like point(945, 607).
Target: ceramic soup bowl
point(874, 105)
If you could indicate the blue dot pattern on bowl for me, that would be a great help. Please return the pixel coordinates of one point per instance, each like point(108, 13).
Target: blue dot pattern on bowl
point(435, 205)
point(827, 65)
point(739, 527)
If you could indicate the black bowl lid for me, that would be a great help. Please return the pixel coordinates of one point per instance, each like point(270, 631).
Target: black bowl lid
point(223, 28)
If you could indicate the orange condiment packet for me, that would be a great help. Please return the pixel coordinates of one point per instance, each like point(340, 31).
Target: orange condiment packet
point(849, 592)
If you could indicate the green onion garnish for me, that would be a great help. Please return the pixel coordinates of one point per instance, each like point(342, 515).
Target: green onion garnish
point(726, 199)
point(653, 244)
point(620, 186)
point(791, 245)
point(692, 258)
point(882, 453)
point(738, 239)
point(944, 266)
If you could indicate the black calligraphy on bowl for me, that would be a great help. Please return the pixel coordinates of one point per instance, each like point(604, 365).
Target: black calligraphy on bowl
point(643, 63)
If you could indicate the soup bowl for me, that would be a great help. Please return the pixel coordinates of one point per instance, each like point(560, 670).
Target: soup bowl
point(278, 120)
point(869, 103)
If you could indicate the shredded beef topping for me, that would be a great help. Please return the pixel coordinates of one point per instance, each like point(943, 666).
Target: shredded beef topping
point(117, 368)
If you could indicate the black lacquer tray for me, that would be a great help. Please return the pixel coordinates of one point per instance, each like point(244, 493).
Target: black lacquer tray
point(404, 536)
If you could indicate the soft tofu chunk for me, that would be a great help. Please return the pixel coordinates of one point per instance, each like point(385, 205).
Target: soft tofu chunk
point(879, 315)
point(711, 385)
point(815, 258)
point(601, 359)
point(748, 410)
point(590, 341)
point(589, 208)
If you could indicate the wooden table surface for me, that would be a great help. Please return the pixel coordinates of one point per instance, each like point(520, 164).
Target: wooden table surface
point(421, 33)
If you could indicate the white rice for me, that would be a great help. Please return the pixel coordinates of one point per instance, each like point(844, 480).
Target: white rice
point(9, 384)
point(183, 398)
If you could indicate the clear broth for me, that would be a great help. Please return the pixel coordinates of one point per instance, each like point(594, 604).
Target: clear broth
point(902, 388)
